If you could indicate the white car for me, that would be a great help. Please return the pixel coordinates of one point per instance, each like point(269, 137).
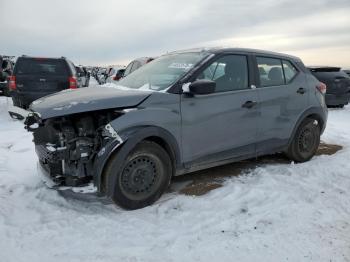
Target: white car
point(115, 73)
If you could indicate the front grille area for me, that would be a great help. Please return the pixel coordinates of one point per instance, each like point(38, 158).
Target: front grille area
point(45, 155)
point(50, 160)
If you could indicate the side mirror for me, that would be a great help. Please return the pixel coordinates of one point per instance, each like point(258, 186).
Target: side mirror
point(202, 87)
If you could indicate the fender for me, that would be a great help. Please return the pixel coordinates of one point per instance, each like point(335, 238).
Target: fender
point(131, 138)
point(321, 114)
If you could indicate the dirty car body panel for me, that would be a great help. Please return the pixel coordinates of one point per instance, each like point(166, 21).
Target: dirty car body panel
point(77, 132)
point(87, 100)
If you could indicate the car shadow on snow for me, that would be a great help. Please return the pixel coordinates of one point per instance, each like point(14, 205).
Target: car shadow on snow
point(201, 182)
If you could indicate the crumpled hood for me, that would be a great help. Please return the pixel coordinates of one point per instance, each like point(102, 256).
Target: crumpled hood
point(85, 100)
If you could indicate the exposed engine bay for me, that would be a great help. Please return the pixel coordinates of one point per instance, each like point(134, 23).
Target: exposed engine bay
point(67, 146)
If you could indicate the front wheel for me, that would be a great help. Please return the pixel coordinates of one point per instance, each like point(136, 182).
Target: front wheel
point(143, 178)
point(305, 141)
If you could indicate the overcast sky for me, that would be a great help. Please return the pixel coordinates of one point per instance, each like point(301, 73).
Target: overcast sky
point(113, 31)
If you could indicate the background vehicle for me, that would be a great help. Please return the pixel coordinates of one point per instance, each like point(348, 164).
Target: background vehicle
point(35, 77)
point(115, 73)
point(83, 76)
point(136, 64)
point(337, 82)
point(131, 141)
point(101, 75)
point(6, 69)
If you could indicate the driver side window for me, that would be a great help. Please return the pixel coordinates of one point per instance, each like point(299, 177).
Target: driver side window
point(230, 73)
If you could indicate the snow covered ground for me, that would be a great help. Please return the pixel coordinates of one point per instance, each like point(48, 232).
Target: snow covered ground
point(274, 212)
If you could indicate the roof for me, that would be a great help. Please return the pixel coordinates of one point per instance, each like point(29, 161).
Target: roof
point(39, 57)
point(217, 50)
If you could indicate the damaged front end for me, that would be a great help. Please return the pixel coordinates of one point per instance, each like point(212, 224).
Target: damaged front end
point(68, 146)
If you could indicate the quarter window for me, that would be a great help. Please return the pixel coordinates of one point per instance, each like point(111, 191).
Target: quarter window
point(136, 65)
point(229, 72)
point(270, 71)
point(128, 69)
point(289, 70)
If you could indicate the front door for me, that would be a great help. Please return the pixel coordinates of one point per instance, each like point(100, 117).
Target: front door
point(221, 125)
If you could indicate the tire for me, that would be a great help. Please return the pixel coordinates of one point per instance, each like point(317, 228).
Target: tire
point(341, 106)
point(16, 101)
point(143, 178)
point(305, 141)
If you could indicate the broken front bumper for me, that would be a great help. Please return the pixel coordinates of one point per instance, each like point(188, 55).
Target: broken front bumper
point(51, 183)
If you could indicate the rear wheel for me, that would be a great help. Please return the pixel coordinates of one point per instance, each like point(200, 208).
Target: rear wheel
point(305, 141)
point(143, 178)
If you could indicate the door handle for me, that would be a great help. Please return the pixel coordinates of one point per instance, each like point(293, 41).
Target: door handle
point(301, 91)
point(249, 104)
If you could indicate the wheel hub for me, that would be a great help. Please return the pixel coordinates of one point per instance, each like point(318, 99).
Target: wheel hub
point(139, 175)
point(306, 141)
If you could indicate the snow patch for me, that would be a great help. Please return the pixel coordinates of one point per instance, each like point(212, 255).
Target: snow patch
point(275, 212)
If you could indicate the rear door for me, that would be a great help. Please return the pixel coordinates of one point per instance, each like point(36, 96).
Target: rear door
point(283, 97)
point(41, 75)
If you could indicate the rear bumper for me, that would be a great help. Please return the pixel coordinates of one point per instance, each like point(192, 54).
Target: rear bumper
point(24, 99)
point(3, 87)
point(337, 99)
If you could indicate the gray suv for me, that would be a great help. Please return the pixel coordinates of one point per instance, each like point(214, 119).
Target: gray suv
point(184, 111)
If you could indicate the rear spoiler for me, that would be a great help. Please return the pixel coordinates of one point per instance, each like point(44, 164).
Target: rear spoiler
point(324, 69)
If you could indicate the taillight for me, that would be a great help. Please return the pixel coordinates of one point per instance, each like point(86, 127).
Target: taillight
point(73, 82)
point(12, 83)
point(322, 87)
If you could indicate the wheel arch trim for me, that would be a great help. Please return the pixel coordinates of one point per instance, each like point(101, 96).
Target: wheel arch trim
point(310, 112)
point(131, 138)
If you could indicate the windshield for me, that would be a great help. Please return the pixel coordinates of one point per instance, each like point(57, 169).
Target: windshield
point(162, 72)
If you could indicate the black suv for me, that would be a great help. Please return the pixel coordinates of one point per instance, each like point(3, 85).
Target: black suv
point(35, 77)
point(337, 82)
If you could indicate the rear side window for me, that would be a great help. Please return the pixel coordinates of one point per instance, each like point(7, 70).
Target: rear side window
point(41, 66)
point(136, 65)
point(128, 69)
point(289, 71)
point(270, 71)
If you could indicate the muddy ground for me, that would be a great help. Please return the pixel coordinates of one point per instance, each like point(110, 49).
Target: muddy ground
point(202, 182)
